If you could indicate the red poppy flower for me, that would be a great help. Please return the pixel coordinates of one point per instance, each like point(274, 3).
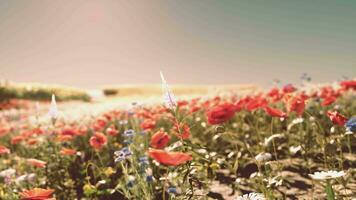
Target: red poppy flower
point(36, 163)
point(64, 138)
point(289, 88)
point(98, 140)
point(194, 109)
point(17, 139)
point(241, 104)
point(68, 152)
point(37, 194)
point(70, 131)
point(328, 100)
point(297, 104)
point(83, 130)
point(32, 141)
point(99, 124)
point(148, 124)
point(112, 130)
point(274, 94)
point(351, 84)
point(4, 150)
point(337, 118)
point(273, 112)
point(4, 129)
point(221, 113)
point(160, 139)
point(169, 158)
point(182, 103)
point(255, 103)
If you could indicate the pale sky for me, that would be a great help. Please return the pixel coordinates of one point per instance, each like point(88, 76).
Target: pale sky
point(87, 43)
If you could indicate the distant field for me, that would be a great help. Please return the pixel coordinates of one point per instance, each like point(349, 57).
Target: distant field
point(179, 90)
point(37, 91)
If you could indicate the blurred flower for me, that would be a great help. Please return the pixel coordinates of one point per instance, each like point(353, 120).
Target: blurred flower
point(98, 140)
point(36, 163)
point(111, 130)
point(129, 133)
point(122, 154)
point(4, 150)
point(109, 171)
point(37, 194)
point(68, 152)
point(169, 158)
point(337, 118)
point(17, 139)
point(148, 124)
point(160, 139)
point(351, 84)
point(273, 112)
point(297, 105)
point(173, 190)
point(53, 111)
point(99, 123)
point(143, 160)
point(221, 113)
point(327, 175)
point(7, 172)
point(25, 177)
point(168, 96)
point(261, 157)
point(255, 103)
point(251, 196)
point(328, 101)
point(289, 88)
point(351, 124)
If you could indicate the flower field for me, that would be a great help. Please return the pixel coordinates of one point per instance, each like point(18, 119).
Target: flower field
point(283, 143)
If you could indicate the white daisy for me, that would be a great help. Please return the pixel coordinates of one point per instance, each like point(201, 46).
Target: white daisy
point(327, 175)
point(251, 196)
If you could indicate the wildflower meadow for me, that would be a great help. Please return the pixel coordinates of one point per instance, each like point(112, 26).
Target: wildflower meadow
point(289, 142)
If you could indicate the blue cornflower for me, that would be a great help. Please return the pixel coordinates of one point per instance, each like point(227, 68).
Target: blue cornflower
point(143, 160)
point(351, 124)
point(122, 154)
point(129, 133)
point(173, 190)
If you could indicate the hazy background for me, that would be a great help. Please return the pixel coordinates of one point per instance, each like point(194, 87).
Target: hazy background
point(90, 43)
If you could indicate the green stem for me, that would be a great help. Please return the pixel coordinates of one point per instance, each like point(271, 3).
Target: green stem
point(329, 191)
